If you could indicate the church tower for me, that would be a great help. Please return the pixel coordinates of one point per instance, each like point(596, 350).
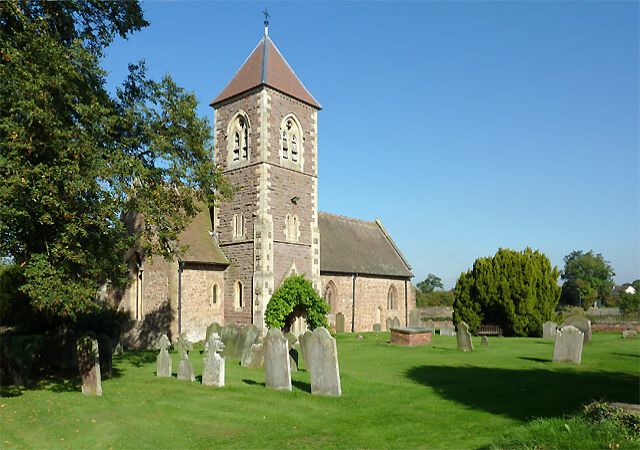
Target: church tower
point(265, 134)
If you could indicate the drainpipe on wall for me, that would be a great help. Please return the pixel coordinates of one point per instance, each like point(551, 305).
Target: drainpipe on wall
point(353, 308)
point(180, 269)
point(406, 305)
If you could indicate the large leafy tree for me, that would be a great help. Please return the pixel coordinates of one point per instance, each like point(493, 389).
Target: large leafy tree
point(75, 159)
point(587, 277)
point(516, 290)
point(430, 284)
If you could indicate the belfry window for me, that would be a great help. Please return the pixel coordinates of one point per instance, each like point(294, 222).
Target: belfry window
point(291, 140)
point(294, 148)
point(245, 144)
point(236, 146)
point(238, 138)
point(285, 145)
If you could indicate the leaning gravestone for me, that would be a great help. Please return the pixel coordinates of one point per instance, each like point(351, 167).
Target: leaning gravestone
point(292, 340)
point(629, 334)
point(484, 342)
point(430, 326)
point(185, 368)
point(388, 323)
point(322, 355)
point(213, 363)
point(568, 347)
point(277, 372)
point(89, 364)
point(377, 328)
point(163, 361)
point(254, 357)
point(396, 323)
point(339, 323)
point(581, 323)
point(549, 330)
point(464, 337)
point(414, 318)
point(305, 342)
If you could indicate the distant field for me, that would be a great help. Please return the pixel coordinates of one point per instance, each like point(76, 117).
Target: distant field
point(428, 397)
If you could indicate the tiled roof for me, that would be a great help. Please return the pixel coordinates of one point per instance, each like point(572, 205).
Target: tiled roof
point(354, 246)
point(266, 66)
point(203, 248)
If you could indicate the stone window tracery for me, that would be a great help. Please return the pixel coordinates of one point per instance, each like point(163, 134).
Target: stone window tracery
point(291, 228)
point(392, 298)
point(238, 225)
point(239, 138)
point(291, 141)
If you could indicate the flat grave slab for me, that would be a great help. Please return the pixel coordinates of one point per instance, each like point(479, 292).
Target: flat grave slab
point(411, 336)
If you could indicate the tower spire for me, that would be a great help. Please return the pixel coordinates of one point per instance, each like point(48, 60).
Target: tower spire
point(266, 21)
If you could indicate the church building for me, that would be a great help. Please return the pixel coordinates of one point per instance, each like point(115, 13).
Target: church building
point(266, 139)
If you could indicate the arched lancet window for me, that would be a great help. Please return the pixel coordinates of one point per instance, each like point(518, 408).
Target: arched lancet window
point(291, 228)
point(294, 148)
point(214, 295)
point(236, 146)
point(238, 225)
point(285, 145)
point(239, 138)
point(245, 143)
point(238, 294)
point(392, 298)
point(291, 140)
point(331, 296)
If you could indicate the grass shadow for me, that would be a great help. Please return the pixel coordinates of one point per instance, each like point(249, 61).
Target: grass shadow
point(540, 360)
point(526, 394)
point(301, 385)
point(139, 358)
point(253, 382)
point(627, 355)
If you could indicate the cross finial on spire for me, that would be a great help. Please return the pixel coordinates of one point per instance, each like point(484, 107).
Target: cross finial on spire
point(266, 21)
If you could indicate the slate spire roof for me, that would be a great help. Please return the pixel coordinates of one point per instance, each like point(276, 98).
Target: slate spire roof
point(266, 66)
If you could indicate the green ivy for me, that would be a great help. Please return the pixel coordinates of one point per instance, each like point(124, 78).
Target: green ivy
point(296, 290)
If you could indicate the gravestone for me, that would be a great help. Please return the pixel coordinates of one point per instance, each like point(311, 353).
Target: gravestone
point(447, 330)
point(277, 372)
point(105, 351)
point(581, 323)
point(484, 342)
point(377, 328)
point(322, 355)
point(414, 318)
point(629, 334)
point(388, 323)
point(305, 341)
point(118, 351)
point(339, 323)
point(213, 363)
point(430, 326)
point(464, 337)
point(568, 346)
point(163, 361)
point(89, 365)
point(549, 330)
point(237, 339)
point(254, 357)
point(185, 368)
point(395, 323)
point(292, 340)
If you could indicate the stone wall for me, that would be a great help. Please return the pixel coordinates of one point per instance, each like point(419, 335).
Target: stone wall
point(198, 309)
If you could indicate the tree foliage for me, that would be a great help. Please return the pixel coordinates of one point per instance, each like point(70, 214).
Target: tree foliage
point(296, 291)
point(516, 290)
point(587, 278)
point(435, 298)
point(75, 159)
point(430, 284)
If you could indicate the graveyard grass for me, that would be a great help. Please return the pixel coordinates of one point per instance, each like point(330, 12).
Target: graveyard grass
point(423, 397)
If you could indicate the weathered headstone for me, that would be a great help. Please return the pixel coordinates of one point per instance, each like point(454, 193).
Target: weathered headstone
point(377, 328)
point(549, 330)
point(568, 346)
point(629, 334)
point(277, 372)
point(447, 330)
point(237, 339)
point(305, 341)
point(89, 364)
point(395, 323)
point(118, 350)
point(185, 368)
point(323, 358)
point(254, 357)
point(388, 323)
point(292, 340)
point(484, 342)
point(430, 326)
point(213, 363)
point(339, 323)
point(581, 323)
point(464, 337)
point(414, 318)
point(163, 361)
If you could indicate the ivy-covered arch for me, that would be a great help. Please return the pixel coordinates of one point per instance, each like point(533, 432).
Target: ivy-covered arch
point(296, 292)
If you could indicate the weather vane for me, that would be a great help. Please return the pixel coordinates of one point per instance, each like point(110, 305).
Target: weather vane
point(266, 17)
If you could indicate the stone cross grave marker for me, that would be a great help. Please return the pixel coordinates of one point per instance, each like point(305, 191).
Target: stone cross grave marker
point(581, 323)
point(277, 372)
point(549, 330)
point(568, 346)
point(484, 342)
point(89, 365)
point(185, 368)
point(464, 337)
point(213, 363)
point(163, 361)
point(322, 354)
point(292, 339)
point(339, 323)
point(414, 318)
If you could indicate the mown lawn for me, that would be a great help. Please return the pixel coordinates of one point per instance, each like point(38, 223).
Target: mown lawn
point(424, 397)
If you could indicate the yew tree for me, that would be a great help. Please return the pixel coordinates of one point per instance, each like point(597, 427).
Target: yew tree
point(517, 290)
point(76, 158)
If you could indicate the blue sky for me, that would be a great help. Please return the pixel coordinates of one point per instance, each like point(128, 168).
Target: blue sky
point(463, 126)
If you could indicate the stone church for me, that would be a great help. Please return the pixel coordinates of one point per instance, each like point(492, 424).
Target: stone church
point(266, 139)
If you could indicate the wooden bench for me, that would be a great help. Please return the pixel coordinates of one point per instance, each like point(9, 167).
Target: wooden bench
point(489, 330)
